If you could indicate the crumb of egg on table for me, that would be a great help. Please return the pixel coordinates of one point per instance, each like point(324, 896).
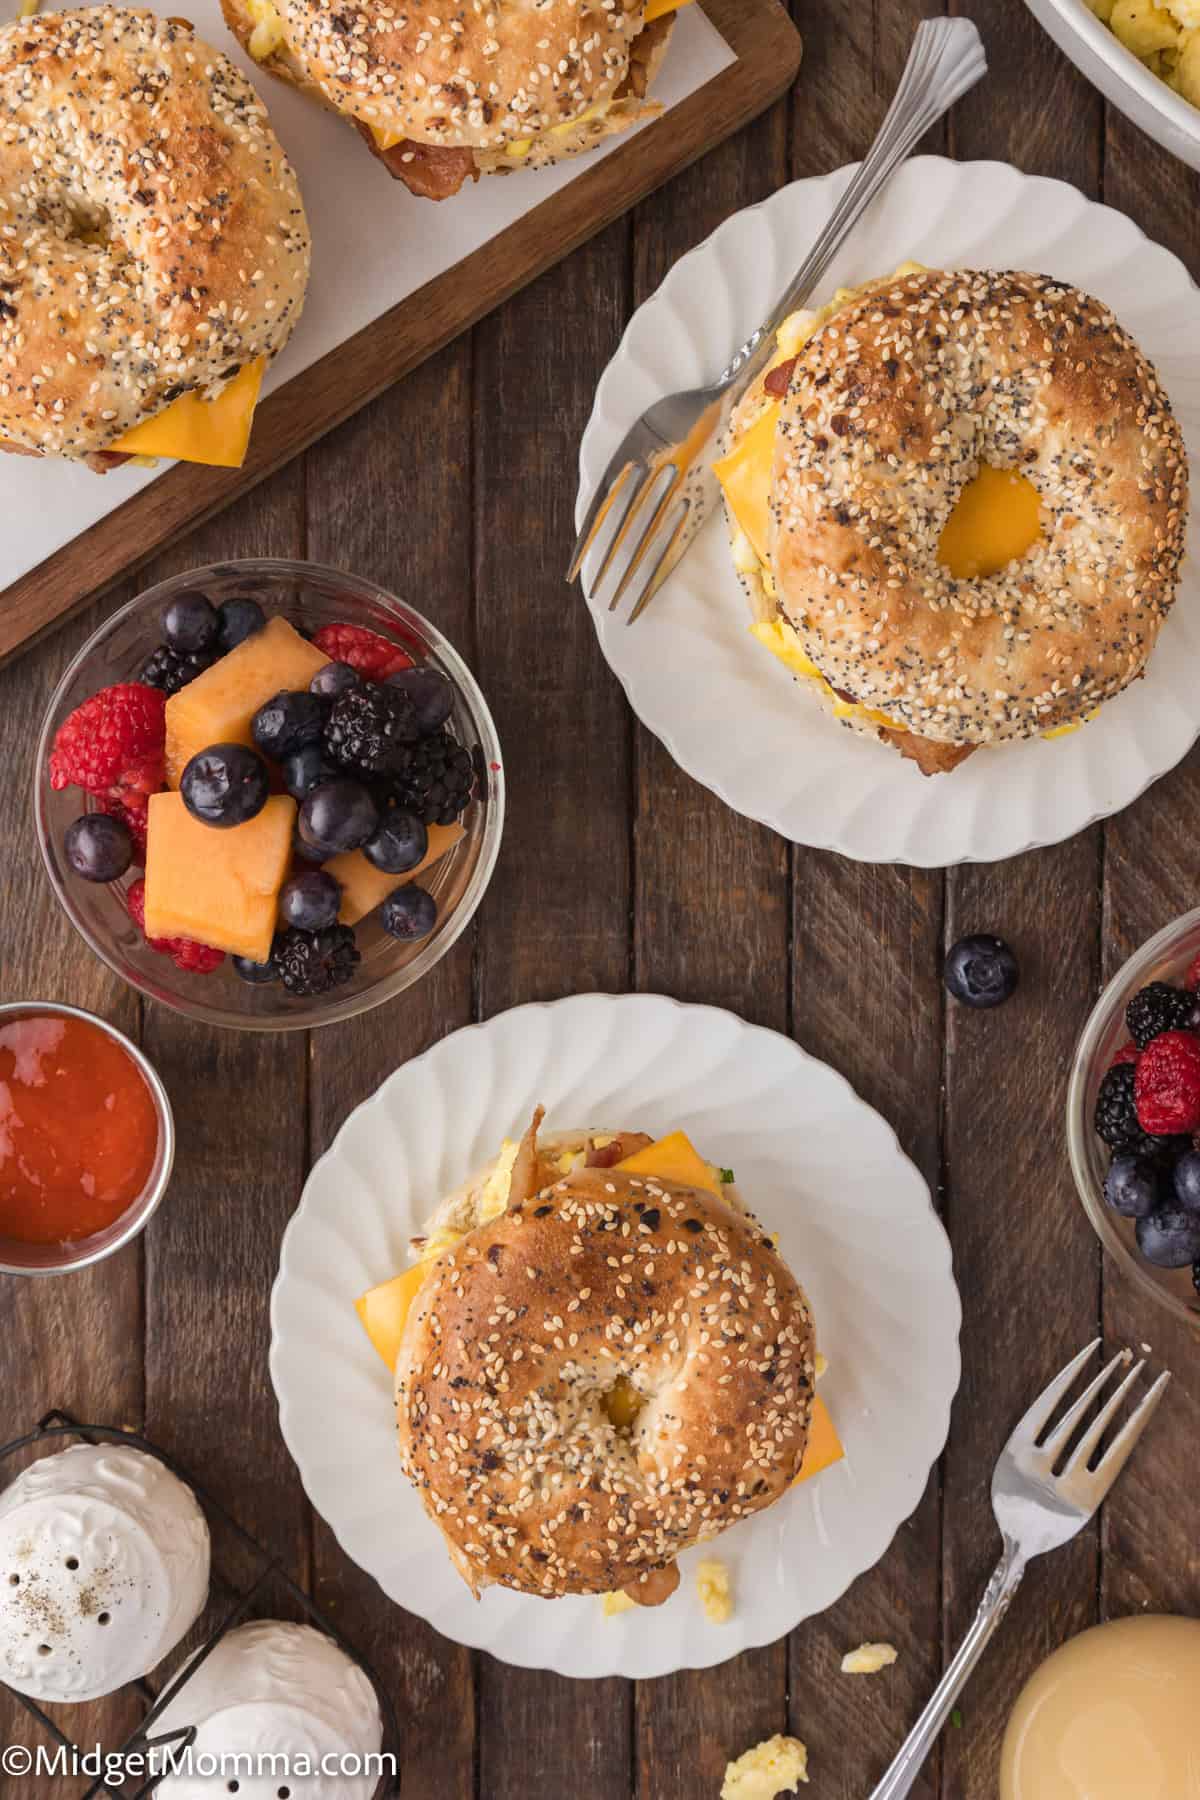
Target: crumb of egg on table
point(776, 1766)
point(868, 1659)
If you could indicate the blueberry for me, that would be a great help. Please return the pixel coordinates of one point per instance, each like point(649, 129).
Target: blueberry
point(408, 914)
point(306, 769)
point(254, 973)
point(333, 680)
point(225, 785)
point(310, 900)
point(1131, 1186)
point(981, 970)
point(98, 848)
point(399, 844)
point(308, 853)
point(189, 623)
point(287, 722)
point(238, 619)
point(430, 693)
point(1170, 1239)
point(338, 815)
point(1187, 1181)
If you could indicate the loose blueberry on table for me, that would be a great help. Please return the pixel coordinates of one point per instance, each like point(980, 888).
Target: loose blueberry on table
point(1148, 1114)
point(250, 756)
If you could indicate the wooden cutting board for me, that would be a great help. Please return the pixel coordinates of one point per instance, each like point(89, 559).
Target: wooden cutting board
point(768, 50)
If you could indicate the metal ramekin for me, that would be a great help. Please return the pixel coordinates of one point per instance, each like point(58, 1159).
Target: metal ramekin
point(58, 1259)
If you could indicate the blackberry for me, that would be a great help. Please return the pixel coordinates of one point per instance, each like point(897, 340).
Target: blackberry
point(1158, 1008)
point(370, 729)
point(171, 670)
point(1116, 1117)
point(314, 962)
point(436, 780)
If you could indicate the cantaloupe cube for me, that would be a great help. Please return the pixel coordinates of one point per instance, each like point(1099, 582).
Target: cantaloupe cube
point(220, 887)
point(364, 887)
point(218, 706)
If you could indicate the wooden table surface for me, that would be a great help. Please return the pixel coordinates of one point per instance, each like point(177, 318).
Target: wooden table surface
point(456, 490)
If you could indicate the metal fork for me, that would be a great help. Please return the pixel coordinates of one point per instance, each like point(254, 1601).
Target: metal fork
point(662, 467)
point(1036, 1510)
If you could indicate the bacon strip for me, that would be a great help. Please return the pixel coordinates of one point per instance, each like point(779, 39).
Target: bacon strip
point(778, 380)
point(432, 171)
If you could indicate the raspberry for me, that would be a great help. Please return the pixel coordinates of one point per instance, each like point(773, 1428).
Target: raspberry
point(1191, 980)
point(1128, 1053)
point(112, 745)
point(135, 813)
point(373, 656)
point(1166, 1087)
point(184, 952)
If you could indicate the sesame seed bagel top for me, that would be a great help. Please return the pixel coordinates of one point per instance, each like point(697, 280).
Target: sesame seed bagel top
point(893, 407)
point(478, 75)
point(521, 1330)
point(152, 235)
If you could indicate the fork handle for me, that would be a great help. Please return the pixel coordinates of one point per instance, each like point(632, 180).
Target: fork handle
point(946, 59)
point(916, 1747)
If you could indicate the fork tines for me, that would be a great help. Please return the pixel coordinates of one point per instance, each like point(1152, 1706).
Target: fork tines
point(1067, 1449)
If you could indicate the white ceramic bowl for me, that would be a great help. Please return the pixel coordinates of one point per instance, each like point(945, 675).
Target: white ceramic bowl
point(1099, 54)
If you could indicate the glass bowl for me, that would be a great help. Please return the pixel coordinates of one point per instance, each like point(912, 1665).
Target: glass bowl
point(309, 596)
point(1164, 958)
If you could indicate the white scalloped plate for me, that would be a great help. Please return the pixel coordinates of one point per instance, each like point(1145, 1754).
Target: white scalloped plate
point(690, 665)
point(816, 1164)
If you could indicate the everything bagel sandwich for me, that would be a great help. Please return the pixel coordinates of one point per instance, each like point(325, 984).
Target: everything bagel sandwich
point(958, 504)
point(599, 1361)
point(446, 96)
point(154, 253)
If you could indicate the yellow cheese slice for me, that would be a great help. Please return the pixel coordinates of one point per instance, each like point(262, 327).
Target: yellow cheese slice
point(996, 519)
point(745, 475)
point(197, 430)
point(384, 1309)
point(674, 1158)
point(824, 1446)
point(657, 9)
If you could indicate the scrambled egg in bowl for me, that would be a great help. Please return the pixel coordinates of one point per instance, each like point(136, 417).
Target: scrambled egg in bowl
point(1165, 37)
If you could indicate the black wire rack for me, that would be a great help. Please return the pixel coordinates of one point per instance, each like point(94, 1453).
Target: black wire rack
point(237, 1600)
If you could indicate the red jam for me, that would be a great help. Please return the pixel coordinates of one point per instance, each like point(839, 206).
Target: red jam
point(78, 1129)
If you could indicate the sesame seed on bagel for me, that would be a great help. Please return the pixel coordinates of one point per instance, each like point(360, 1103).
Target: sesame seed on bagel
point(152, 236)
point(445, 94)
point(894, 406)
point(520, 1332)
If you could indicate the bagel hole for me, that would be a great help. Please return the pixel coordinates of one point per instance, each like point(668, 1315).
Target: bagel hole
point(622, 1403)
point(87, 223)
point(995, 521)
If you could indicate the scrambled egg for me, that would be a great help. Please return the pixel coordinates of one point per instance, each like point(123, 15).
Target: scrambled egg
point(267, 35)
point(777, 1766)
point(868, 1659)
point(612, 1604)
point(1166, 38)
point(715, 1590)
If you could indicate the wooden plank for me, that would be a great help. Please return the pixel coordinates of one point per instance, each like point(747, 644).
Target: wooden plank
point(390, 498)
point(710, 915)
point(866, 998)
point(72, 1340)
point(1148, 1548)
point(1026, 1260)
point(213, 1250)
point(557, 918)
point(768, 51)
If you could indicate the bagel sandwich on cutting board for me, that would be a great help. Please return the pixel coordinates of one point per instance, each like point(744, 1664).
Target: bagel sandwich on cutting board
point(443, 97)
point(958, 504)
point(600, 1361)
point(154, 254)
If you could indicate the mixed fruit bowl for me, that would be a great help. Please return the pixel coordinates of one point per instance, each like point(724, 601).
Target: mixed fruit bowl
point(1134, 1116)
point(269, 794)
